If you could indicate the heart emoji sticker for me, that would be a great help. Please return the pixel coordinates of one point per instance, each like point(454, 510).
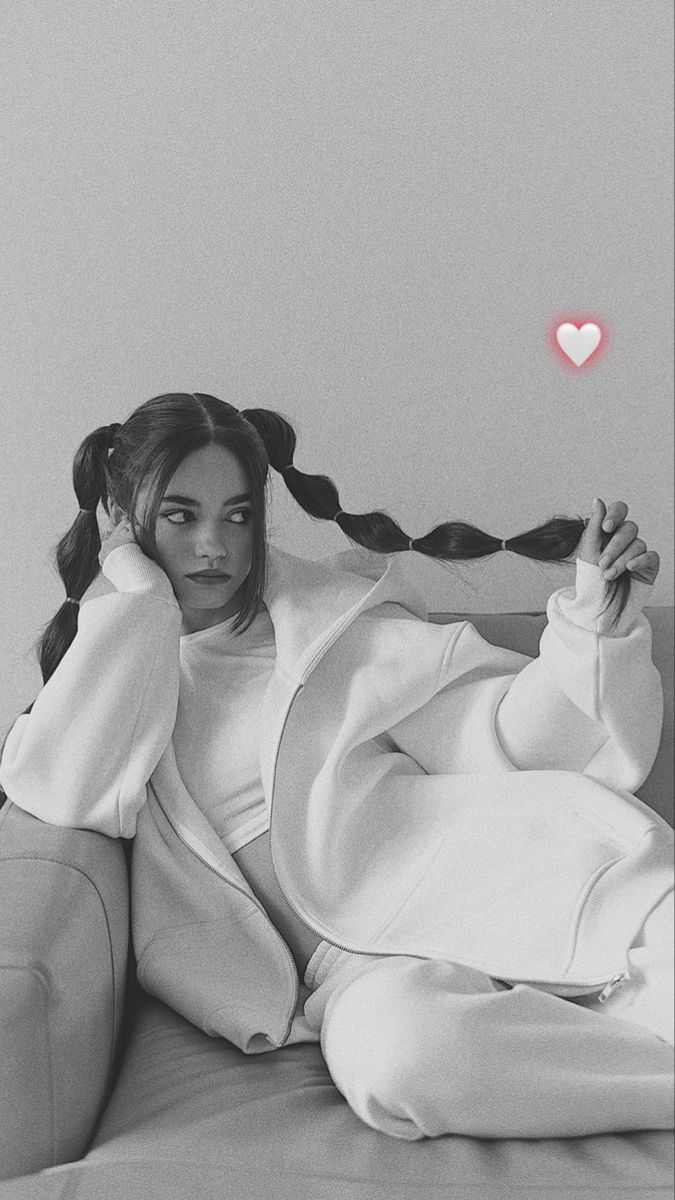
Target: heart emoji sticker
point(578, 343)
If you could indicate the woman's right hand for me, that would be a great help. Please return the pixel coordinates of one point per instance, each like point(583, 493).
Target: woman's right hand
point(118, 533)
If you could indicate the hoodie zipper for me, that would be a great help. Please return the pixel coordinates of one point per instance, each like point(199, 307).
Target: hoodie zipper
point(615, 982)
point(300, 918)
point(609, 986)
point(249, 896)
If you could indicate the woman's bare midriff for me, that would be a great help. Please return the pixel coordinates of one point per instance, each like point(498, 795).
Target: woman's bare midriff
point(255, 862)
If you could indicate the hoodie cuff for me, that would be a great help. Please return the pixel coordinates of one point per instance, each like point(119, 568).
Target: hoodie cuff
point(583, 605)
point(130, 570)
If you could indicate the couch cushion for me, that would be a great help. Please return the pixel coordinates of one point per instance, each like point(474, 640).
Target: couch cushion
point(185, 1098)
point(63, 948)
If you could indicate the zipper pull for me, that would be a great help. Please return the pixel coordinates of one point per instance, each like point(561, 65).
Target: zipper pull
point(615, 982)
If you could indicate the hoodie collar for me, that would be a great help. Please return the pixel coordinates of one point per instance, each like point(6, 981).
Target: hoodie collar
point(311, 603)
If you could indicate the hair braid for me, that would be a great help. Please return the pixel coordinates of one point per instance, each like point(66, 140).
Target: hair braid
point(554, 541)
point(76, 555)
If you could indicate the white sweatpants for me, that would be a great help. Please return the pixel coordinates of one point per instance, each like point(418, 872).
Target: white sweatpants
point(423, 1048)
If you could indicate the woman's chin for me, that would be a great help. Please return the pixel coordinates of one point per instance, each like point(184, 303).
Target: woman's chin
point(214, 601)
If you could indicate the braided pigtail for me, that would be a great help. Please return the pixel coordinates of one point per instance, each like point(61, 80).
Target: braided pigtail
point(76, 555)
point(317, 494)
point(554, 541)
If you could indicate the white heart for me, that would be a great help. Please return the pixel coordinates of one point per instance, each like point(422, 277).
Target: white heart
point(578, 344)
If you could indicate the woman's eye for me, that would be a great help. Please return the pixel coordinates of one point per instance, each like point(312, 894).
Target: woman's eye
point(240, 517)
point(171, 516)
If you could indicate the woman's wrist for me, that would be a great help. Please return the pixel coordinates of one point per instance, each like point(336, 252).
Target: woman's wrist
point(591, 596)
point(130, 570)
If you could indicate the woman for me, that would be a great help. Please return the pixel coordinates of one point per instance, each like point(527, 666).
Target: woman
point(352, 826)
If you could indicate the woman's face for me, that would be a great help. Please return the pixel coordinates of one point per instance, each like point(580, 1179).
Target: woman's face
point(205, 524)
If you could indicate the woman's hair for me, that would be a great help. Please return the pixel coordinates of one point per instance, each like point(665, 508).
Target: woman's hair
point(115, 462)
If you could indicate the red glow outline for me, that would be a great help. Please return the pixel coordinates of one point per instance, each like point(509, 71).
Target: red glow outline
point(579, 320)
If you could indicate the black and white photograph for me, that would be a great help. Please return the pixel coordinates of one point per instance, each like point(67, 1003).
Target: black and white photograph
point(336, 718)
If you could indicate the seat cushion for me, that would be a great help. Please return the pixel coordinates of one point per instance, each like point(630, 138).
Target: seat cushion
point(184, 1098)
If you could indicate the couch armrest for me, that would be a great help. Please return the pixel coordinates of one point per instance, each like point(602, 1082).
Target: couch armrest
point(64, 931)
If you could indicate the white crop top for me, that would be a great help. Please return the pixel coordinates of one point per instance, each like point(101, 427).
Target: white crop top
point(223, 678)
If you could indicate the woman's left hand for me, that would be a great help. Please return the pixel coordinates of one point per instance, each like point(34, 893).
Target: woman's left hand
point(624, 551)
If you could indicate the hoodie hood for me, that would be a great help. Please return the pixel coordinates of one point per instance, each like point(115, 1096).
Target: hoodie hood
point(312, 603)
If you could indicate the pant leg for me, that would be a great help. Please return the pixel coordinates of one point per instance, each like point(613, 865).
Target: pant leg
point(424, 1048)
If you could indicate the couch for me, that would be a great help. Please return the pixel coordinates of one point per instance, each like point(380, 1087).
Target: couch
point(107, 1093)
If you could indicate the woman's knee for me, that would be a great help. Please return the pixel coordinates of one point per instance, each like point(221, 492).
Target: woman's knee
point(401, 1046)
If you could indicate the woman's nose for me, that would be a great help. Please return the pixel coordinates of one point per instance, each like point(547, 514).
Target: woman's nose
point(211, 542)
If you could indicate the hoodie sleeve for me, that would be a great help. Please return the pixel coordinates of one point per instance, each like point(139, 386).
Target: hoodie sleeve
point(83, 755)
point(591, 702)
point(593, 699)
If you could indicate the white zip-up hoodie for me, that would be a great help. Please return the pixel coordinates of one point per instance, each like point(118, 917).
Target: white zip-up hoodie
point(430, 794)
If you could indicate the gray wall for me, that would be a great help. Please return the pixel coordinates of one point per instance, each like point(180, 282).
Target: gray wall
point(369, 214)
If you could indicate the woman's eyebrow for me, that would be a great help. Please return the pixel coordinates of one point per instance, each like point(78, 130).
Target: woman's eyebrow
point(175, 499)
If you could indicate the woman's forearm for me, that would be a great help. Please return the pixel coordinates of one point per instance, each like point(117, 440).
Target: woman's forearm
point(83, 755)
point(592, 701)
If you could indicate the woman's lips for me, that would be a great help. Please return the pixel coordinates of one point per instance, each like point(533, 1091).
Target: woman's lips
point(209, 577)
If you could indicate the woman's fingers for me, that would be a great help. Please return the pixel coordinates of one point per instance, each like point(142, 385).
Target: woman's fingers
point(623, 539)
point(616, 558)
point(644, 567)
point(593, 539)
point(615, 514)
point(117, 534)
point(623, 550)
